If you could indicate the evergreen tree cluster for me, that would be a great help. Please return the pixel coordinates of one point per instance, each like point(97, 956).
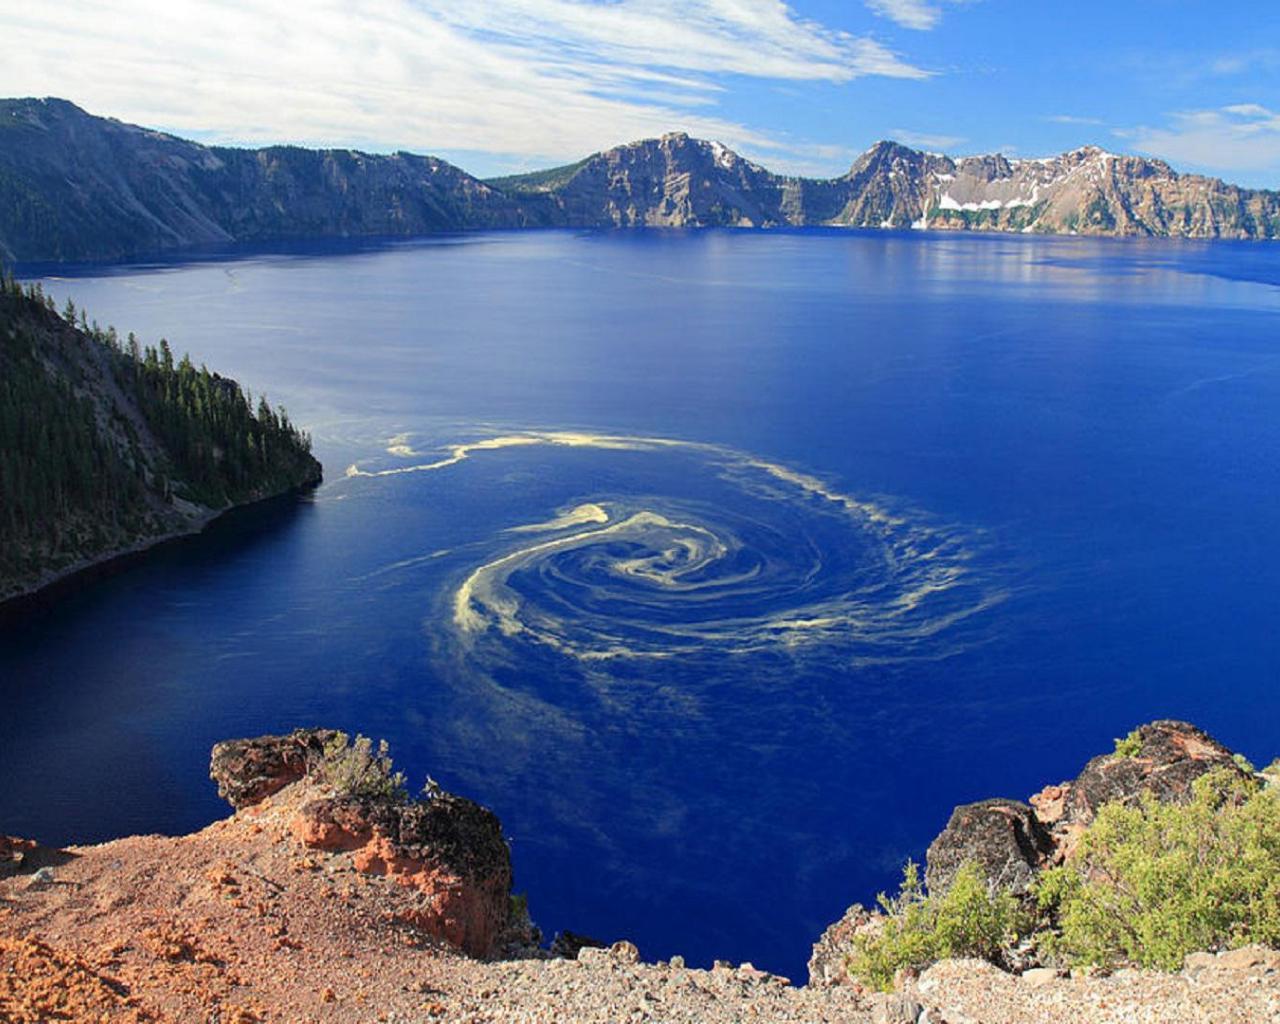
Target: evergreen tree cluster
point(101, 442)
point(222, 450)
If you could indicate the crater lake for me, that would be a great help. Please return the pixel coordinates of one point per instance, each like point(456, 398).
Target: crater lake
point(721, 565)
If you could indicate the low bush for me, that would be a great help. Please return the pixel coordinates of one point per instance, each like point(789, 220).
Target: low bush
point(1130, 746)
point(357, 769)
point(1150, 883)
point(919, 928)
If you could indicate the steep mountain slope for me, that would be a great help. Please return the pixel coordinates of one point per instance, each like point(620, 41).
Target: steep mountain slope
point(1086, 191)
point(105, 449)
point(74, 186)
point(676, 181)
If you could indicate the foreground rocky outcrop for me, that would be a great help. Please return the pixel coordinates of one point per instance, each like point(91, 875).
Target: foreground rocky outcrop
point(76, 187)
point(1012, 842)
point(331, 896)
point(448, 851)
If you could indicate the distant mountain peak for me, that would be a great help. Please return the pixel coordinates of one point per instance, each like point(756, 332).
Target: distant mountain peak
point(76, 186)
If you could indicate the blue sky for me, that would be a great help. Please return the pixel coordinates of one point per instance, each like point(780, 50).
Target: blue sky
point(803, 87)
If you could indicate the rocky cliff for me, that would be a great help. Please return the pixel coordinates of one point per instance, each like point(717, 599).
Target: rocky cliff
point(674, 181)
point(78, 187)
point(1086, 191)
point(331, 895)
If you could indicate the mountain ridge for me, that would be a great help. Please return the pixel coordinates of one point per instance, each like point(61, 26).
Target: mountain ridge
point(74, 186)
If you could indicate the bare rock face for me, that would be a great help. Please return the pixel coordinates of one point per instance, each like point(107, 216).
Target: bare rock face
point(333, 824)
point(249, 771)
point(15, 854)
point(1255, 959)
point(452, 850)
point(828, 964)
point(27, 857)
point(1002, 837)
point(447, 848)
point(1171, 757)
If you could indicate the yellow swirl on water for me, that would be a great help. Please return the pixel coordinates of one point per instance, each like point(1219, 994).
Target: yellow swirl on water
point(914, 583)
point(587, 513)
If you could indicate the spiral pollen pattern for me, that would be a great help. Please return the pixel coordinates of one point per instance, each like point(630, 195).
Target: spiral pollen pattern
point(739, 555)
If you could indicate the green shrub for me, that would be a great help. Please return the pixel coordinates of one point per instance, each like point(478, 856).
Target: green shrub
point(1130, 746)
point(1151, 883)
point(919, 928)
point(355, 769)
point(1244, 764)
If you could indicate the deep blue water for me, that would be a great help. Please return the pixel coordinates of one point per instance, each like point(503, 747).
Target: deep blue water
point(860, 527)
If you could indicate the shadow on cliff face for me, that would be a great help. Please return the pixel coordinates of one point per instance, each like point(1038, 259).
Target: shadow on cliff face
point(236, 531)
point(26, 857)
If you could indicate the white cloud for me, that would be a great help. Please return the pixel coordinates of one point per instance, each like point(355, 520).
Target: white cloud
point(927, 140)
point(1242, 62)
point(1073, 119)
point(917, 14)
point(1242, 137)
point(526, 78)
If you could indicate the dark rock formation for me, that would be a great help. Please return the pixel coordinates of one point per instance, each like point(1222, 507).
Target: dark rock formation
point(1170, 756)
point(467, 901)
point(1002, 837)
point(249, 771)
point(569, 944)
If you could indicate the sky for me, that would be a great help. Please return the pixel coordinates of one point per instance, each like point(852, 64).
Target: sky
point(499, 86)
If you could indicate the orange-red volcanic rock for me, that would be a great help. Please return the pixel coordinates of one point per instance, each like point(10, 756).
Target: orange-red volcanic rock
point(39, 983)
point(332, 825)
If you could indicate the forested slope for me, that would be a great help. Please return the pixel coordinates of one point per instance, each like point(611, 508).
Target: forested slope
point(106, 446)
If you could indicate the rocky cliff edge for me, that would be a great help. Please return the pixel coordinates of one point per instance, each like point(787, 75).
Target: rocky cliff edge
point(330, 895)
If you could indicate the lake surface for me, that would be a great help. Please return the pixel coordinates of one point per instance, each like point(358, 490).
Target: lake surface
point(721, 565)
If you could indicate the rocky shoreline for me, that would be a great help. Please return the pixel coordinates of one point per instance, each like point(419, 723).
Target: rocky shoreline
point(56, 583)
point(331, 895)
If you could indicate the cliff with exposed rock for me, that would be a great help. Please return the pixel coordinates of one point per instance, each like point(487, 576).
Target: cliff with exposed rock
point(78, 187)
point(332, 895)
